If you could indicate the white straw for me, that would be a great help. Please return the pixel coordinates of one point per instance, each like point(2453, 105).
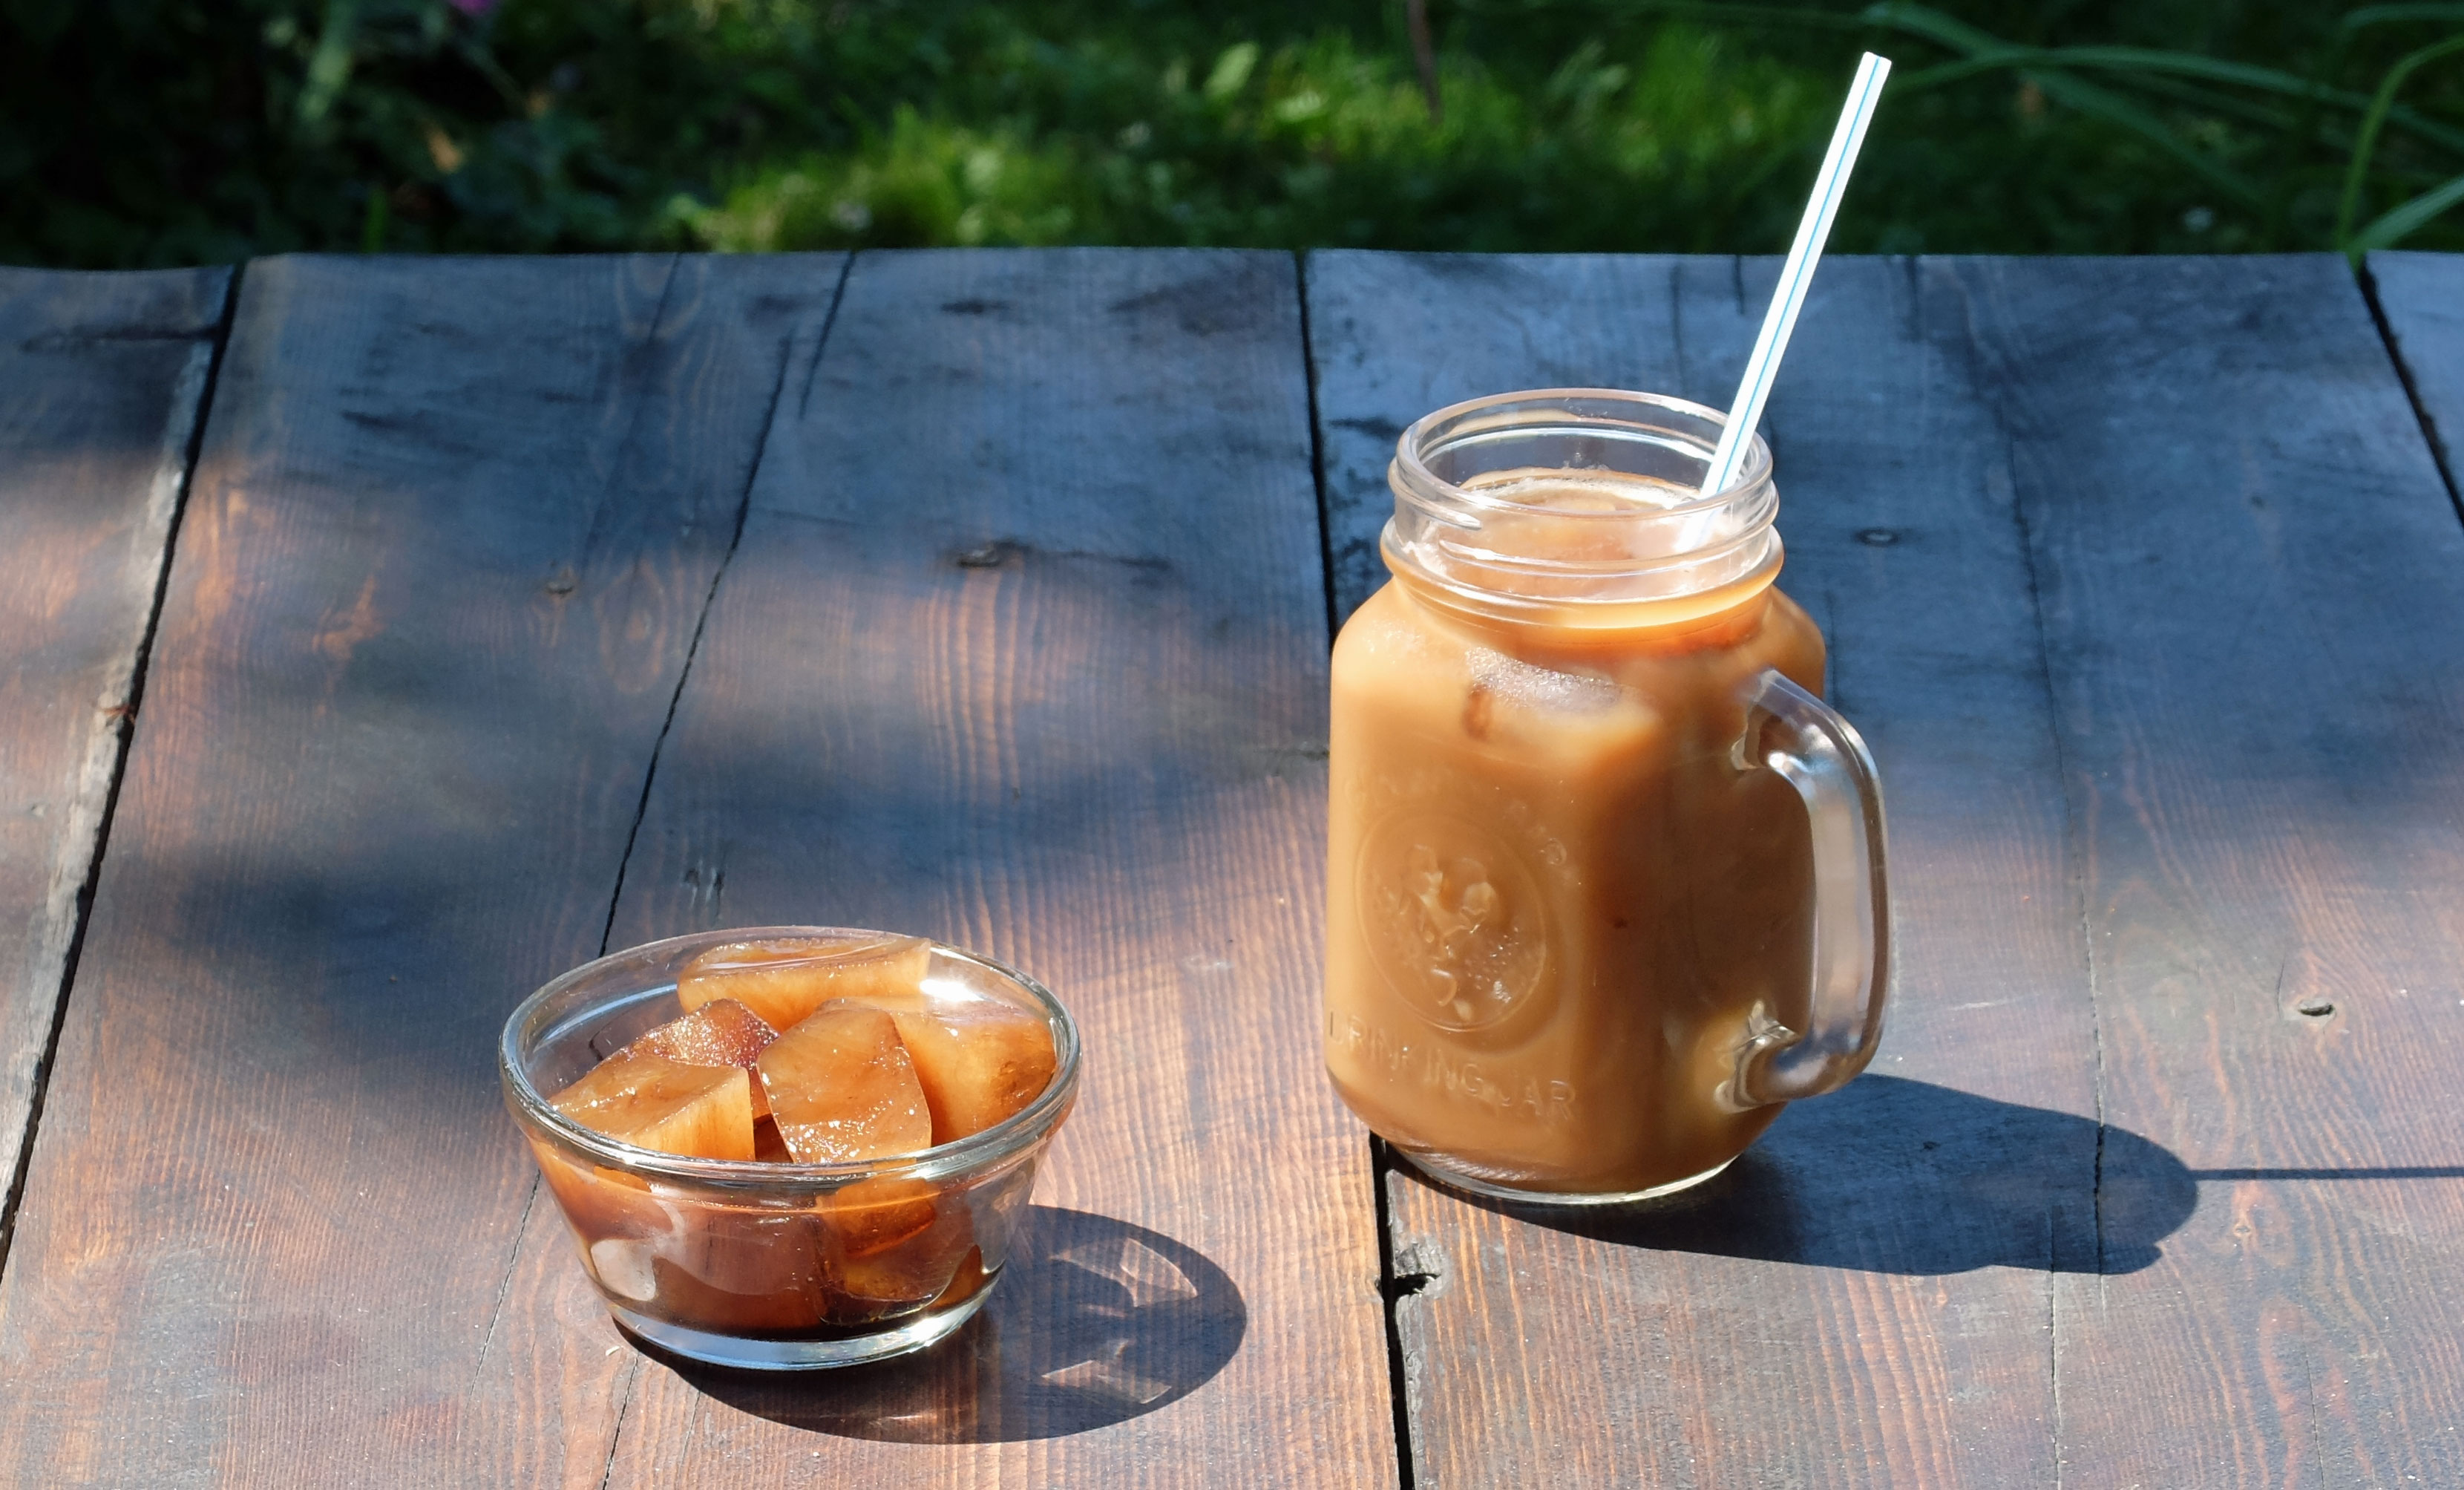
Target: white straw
point(1753, 391)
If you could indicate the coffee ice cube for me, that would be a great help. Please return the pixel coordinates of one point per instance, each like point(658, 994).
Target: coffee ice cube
point(871, 1214)
point(842, 1088)
point(721, 1033)
point(743, 1268)
point(648, 1100)
point(900, 1276)
point(785, 979)
point(690, 1259)
point(598, 1200)
point(768, 1145)
point(979, 1061)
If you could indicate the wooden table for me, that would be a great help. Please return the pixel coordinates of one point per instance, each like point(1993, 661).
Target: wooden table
point(384, 635)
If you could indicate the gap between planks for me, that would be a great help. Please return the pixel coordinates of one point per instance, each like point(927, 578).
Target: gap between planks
point(2369, 283)
point(1390, 1291)
point(650, 771)
point(719, 575)
point(178, 472)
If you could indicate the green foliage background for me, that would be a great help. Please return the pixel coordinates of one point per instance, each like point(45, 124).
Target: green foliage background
point(186, 131)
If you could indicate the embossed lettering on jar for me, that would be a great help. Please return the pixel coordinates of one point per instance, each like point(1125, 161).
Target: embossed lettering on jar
point(1605, 877)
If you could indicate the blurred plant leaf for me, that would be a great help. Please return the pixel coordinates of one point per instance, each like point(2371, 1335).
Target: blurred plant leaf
point(2387, 14)
point(2103, 104)
point(329, 66)
point(1231, 71)
point(1714, 12)
point(1989, 53)
point(2365, 142)
point(2394, 226)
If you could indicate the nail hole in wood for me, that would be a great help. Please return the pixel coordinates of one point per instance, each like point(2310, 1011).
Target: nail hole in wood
point(2316, 1007)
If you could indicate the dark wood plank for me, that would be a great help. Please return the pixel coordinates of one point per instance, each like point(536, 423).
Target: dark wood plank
point(453, 527)
point(1026, 648)
point(1865, 1299)
point(2253, 589)
point(101, 381)
point(2422, 296)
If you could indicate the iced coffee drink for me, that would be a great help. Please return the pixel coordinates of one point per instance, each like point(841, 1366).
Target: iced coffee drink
point(1604, 877)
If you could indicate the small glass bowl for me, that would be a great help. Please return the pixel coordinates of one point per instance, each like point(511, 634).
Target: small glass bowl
point(765, 1266)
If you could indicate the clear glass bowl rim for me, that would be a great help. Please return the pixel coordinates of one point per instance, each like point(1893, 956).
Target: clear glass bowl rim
point(1005, 1140)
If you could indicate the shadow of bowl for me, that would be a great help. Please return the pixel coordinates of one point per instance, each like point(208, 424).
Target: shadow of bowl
point(1094, 1321)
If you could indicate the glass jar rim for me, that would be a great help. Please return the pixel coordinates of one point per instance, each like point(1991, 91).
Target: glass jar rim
point(1412, 447)
point(1494, 536)
point(1005, 1140)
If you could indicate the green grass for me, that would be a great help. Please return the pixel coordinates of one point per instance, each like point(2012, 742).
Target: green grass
point(174, 131)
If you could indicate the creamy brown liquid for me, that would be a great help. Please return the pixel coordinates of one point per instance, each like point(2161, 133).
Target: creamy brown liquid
point(1556, 906)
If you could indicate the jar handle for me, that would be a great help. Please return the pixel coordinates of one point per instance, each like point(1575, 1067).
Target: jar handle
point(1791, 732)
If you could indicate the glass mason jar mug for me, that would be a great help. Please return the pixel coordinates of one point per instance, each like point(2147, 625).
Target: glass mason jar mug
point(1605, 875)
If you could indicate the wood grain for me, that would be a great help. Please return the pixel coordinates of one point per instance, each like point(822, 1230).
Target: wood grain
point(2422, 297)
point(101, 378)
point(1866, 1297)
point(453, 527)
point(2255, 635)
point(1026, 648)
